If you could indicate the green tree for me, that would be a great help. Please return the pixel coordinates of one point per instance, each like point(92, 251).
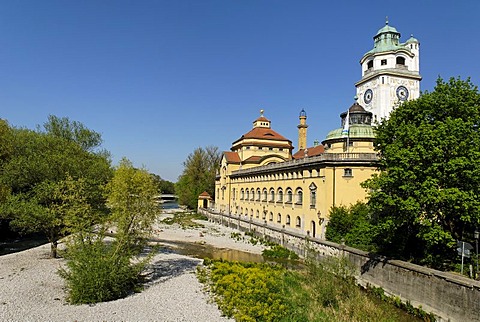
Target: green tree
point(98, 271)
point(72, 131)
point(53, 208)
point(38, 166)
point(130, 197)
point(164, 186)
point(198, 175)
point(352, 226)
point(426, 194)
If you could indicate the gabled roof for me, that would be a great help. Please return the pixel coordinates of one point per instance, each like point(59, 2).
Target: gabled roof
point(204, 195)
point(311, 152)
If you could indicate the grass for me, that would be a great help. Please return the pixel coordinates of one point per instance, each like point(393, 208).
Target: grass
point(320, 292)
point(185, 220)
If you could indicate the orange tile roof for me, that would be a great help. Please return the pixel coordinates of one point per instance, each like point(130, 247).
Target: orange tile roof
point(204, 195)
point(253, 159)
point(232, 157)
point(311, 152)
point(264, 134)
point(263, 119)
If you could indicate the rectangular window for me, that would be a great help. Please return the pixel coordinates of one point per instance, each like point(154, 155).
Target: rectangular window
point(347, 172)
point(383, 62)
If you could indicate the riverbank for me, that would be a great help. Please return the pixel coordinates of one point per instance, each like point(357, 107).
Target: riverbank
point(31, 289)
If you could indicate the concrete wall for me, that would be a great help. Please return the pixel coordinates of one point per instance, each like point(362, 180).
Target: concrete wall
point(449, 296)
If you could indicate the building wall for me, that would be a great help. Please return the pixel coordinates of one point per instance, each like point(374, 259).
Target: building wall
point(449, 296)
point(315, 185)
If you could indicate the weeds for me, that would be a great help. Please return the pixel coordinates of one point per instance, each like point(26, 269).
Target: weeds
point(321, 292)
point(185, 220)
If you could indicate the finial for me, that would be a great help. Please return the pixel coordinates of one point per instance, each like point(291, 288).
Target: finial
point(261, 112)
point(411, 35)
point(386, 20)
point(355, 98)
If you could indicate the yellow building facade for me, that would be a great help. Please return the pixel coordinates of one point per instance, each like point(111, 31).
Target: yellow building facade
point(261, 179)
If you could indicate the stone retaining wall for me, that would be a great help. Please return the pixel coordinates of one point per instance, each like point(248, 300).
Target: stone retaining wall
point(449, 296)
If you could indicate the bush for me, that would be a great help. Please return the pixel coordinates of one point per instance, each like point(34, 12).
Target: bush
point(352, 226)
point(277, 251)
point(97, 273)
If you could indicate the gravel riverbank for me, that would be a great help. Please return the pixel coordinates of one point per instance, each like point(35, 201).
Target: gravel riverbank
point(31, 290)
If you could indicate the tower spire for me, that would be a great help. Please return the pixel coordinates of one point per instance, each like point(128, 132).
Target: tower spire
point(302, 130)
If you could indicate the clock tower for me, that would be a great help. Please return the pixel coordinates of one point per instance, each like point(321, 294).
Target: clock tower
point(390, 73)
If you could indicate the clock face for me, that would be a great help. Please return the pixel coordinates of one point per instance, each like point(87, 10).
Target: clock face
point(402, 93)
point(367, 97)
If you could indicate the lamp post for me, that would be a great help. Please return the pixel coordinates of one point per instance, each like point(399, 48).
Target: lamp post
point(476, 234)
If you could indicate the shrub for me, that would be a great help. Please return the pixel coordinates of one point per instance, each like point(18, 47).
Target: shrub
point(279, 252)
point(97, 273)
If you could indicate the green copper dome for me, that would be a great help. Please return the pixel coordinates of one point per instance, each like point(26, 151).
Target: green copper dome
point(386, 29)
point(412, 40)
point(357, 131)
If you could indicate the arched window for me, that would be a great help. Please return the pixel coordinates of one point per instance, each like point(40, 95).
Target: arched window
point(258, 194)
point(280, 195)
point(258, 214)
point(400, 61)
point(252, 194)
point(264, 194)
point(298, 222)
point(271, 216)
point(272, 195)
point(313, 195)
point(370, 64)
point(241, 210)
point(242, 194)
point(289, 196)
point(299, 200)
point(251, 213)
point(247, 194)
point(287, 220)
point(279, 218)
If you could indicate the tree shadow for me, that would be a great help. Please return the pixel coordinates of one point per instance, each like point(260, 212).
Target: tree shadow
point(165, 269)
point(373, 261)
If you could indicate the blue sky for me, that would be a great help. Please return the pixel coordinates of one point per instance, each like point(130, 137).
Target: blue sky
point(160, 78)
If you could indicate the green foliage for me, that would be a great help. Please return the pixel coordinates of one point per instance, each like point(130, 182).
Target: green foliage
point(99, 271)
point(352, 226)
point(163, 186)
point(277, 251)
point(248, 292)
point(407, 306)
point(72, 131)
point(322, 292)
point(185, 219)
point(39, 174)
point(130, 197)
point(426, 195)
point(198, 175)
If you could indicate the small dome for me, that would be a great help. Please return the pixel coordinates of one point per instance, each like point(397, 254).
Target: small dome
point(303, 113)
point(412, 40)
point(387, 28)
point(356, 108)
